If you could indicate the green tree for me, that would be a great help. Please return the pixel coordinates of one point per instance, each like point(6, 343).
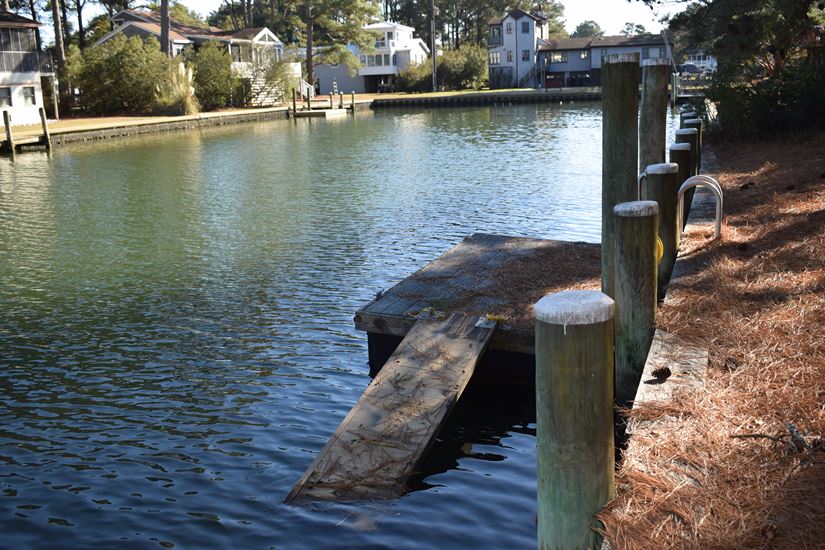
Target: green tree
point(632, 29)
point(180, 13)
point(123, 75)
point(213, 78)
point(587, 29)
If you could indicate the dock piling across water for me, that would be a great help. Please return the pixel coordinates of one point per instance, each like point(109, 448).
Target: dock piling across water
point(9, 134)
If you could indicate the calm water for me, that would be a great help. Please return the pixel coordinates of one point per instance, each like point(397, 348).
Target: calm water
point(177, 342)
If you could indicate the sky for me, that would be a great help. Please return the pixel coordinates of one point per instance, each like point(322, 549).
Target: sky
point(611, 15)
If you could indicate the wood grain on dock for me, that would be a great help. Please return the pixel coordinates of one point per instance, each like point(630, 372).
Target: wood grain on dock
point(486, 274)
point(378, 445)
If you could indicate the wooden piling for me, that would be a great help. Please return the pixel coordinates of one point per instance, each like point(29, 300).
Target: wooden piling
point(352, 101)
point(662, 186)
point(680, 154)
point(696, 124)
point(9, 135)
point(620, 129)
point(635, 299)
point(653, 112)
point(331, 103)
point(340, 100)
point(47, 138)
point(574, 416)
point(691, 136)
point(294, 102)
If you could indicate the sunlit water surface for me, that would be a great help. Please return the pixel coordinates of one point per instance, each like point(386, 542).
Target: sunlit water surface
point(177, 341)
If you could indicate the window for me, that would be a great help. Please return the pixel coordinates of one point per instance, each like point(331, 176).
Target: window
point(395, 59)
point(509, 28)
point(495, 58)
point(5, 97)
point(525, 55)
point(584, 54)
point(509, 56)
point(370, 61)
point(558, 57)
point(29, 99)
point(387, 59)
point(525, 27)
point(653, 53)
point(363, 59)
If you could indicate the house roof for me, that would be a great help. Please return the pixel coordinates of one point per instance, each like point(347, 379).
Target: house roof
point(566, 44)
point(152, 17)
point(150, 22)
point(516, 14)
point(602, 42)
point(9, 19)
point(637, 40)
point(155, 29)
point(388, 25)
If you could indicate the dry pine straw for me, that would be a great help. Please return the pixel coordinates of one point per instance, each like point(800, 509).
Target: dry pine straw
point(757, 300)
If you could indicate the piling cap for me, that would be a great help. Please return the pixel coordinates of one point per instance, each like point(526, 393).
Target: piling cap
point(663, 168)
point(574, 307)
point(687, 132)
point(679, 147)
point(621, 58)
point(693, 121)
point(636, 209)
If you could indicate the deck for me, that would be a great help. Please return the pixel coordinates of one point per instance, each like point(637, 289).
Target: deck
point(485, 275)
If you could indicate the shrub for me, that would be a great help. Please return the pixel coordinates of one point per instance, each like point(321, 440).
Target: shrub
point(122, 76)
point(790, 99)
point(176, 96)
point(463, 68)
point(460, 69)
point(213, 79)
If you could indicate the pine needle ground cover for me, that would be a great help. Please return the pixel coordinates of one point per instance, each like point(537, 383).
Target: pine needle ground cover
point(741, 464)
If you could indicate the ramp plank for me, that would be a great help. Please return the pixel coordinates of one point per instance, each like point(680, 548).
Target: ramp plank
point(378, 445)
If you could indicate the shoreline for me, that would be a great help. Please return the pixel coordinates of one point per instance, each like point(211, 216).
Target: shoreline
point(79, 130)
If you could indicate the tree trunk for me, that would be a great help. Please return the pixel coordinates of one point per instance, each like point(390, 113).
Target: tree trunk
point(60, 49)
point(310, 68)
point(37, 36)
point(64, 18)
point(4, 5)
point(164, 28)
point(81, 30)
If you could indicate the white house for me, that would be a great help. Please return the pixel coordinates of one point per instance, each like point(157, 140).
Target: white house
point(395, 50)
point(512, 46)
point(704, 61)
point(248, 47)
point(578, 61)
point(21, 69)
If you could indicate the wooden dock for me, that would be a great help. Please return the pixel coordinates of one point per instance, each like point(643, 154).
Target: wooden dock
point(378, 445)
point(320, 113)
point(484, 275)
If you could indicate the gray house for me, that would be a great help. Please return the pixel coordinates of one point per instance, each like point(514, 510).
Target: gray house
point(578, 61)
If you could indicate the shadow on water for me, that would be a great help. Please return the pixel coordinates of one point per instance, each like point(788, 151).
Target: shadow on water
point(488, 413)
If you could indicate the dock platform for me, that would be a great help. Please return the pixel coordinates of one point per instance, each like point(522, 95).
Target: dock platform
point(485, 275)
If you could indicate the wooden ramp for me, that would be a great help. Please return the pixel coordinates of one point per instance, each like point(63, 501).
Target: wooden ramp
point(378, 445)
